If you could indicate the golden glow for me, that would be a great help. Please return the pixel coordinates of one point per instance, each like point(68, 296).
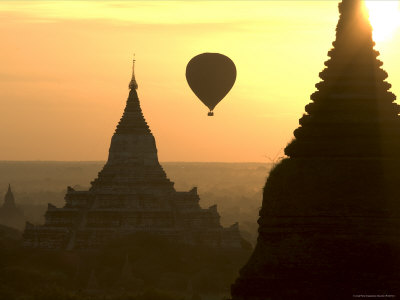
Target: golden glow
point(384, 17)
point(66, 66)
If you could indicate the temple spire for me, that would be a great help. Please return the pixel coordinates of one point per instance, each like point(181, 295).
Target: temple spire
point(132, 159)
point(133, 84)
point(9, 201)
point(352, 113)
point(132, 120)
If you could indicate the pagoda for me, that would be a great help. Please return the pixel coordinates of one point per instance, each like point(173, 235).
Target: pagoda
point(329, 226)
point(10, 214)
point(131, 194)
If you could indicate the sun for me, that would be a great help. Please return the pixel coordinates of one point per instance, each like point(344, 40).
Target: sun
point(384, 16)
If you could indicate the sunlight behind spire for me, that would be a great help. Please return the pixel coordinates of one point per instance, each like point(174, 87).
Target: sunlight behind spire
point(384, 17)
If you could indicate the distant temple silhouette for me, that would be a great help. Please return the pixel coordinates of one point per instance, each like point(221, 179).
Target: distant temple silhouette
point(329, 226)
point(131, 194)
point(10, 214)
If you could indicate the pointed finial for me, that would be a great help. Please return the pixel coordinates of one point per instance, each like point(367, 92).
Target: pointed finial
point(133, 83)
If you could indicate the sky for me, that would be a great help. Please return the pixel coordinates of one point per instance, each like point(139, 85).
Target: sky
point(66, 66)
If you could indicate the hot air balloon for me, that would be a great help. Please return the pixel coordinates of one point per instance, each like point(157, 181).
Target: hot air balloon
point(211, 76)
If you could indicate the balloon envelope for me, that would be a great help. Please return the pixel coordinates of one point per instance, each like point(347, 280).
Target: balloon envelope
point(211, 76)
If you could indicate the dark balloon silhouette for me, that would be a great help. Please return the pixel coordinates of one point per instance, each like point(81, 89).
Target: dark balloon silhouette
point(211, 76)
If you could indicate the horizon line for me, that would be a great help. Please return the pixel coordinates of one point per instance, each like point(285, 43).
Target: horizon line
point(169, 161)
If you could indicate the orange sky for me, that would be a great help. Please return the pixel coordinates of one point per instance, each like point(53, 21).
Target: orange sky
point(65, 69)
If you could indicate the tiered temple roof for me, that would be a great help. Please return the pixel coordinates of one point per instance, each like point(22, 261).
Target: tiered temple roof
point(131, 194)
point(353, 104)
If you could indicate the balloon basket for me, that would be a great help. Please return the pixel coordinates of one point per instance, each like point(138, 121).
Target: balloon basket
point(210, 113)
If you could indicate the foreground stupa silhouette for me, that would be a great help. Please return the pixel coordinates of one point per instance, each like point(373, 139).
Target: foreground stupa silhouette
point(131, 194)
point(329, 226)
